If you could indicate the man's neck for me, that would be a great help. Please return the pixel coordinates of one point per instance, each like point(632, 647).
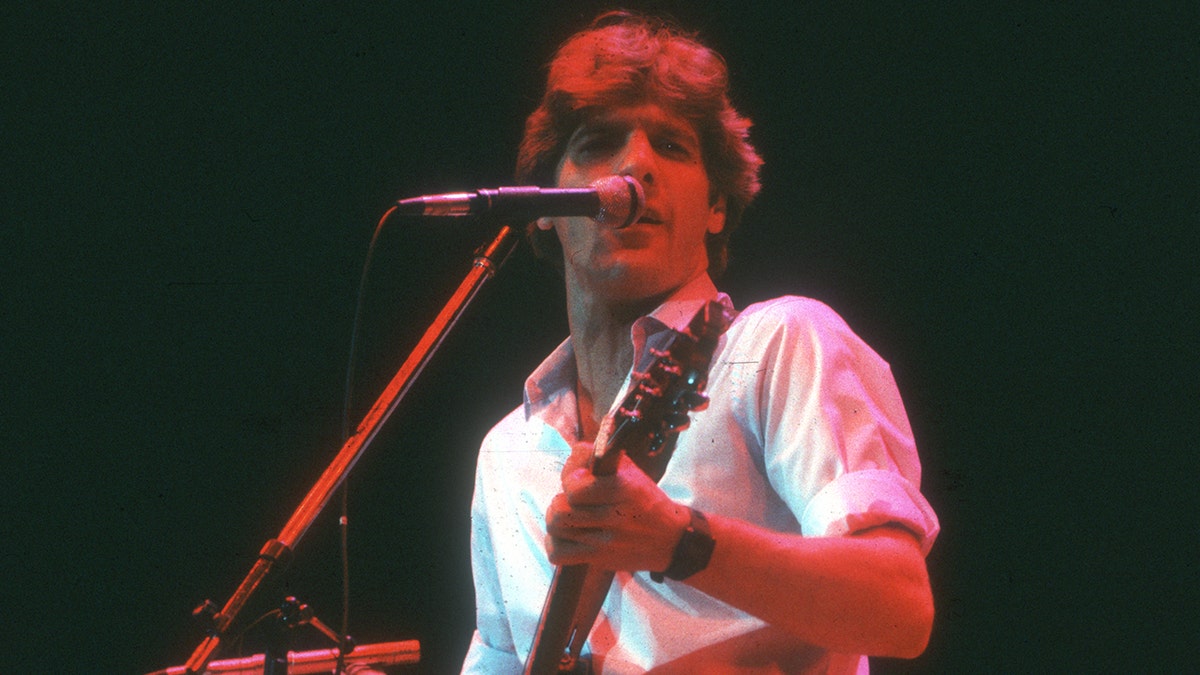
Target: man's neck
point(604, 351)
point(603, 354)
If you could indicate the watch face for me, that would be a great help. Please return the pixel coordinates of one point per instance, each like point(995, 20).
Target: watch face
point(694, 550)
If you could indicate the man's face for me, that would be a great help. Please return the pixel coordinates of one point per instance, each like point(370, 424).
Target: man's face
point(665, 248)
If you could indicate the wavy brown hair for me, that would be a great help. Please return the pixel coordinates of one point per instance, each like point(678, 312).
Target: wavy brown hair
point(625, 59)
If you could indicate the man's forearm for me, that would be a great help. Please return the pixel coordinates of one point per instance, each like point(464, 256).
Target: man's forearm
point(865, 594)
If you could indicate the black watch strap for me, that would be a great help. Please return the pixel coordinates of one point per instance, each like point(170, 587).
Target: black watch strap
point(693, 551)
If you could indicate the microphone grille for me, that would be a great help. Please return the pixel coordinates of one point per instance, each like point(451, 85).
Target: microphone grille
point(622, 200)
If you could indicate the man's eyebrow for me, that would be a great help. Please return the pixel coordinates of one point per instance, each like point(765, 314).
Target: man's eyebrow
point(595, 124)
point(677, 130)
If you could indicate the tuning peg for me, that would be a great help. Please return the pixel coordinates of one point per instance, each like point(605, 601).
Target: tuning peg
point(694, 400)
point(650, 389)
point(676, 421)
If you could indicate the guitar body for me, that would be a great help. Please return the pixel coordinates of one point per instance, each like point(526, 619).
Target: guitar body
point(645, 428)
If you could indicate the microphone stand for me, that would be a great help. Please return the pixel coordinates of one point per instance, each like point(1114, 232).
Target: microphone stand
point(488, 260)
point(292, 614)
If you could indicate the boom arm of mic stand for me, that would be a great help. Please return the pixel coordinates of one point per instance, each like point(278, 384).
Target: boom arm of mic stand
point(487, 262)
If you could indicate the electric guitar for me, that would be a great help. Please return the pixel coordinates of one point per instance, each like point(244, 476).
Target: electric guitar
point(644, 427)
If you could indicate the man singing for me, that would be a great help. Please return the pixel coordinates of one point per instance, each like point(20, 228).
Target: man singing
point(788, 533)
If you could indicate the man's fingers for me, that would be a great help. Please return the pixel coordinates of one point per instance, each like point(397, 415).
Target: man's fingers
point(563, 517)
point(576, 545)
point(580, 458)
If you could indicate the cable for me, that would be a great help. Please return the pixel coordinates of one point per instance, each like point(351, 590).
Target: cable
point(344, 519)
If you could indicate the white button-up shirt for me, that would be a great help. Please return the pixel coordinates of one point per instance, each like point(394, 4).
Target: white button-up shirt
point(805, 433)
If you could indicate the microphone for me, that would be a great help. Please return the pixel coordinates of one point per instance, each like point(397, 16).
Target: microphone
point(617, 201)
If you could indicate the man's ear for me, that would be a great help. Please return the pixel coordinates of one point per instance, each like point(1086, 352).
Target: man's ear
point(545, 224)
point(716, 216)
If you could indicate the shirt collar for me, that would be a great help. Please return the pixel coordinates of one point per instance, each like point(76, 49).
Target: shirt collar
point(556, 375)
point(683, 304)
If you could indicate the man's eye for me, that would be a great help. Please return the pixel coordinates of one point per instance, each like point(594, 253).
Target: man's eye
point(593, 145)
point(674, 149)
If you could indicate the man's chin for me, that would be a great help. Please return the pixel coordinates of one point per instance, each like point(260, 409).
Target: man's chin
point(631, 285)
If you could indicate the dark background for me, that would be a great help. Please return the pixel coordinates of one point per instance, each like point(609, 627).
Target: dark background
point(1001, 201)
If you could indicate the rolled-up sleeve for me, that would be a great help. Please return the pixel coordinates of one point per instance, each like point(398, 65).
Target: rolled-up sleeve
point(838, 447)
point(859, 500)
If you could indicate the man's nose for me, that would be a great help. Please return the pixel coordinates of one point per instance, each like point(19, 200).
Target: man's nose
point(638, 158)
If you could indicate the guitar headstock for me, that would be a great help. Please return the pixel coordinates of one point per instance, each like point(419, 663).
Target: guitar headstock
point(658, 405)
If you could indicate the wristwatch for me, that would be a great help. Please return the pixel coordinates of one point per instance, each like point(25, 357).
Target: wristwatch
point(693, 551)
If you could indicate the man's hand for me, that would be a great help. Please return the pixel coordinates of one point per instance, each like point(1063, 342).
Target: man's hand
point(619, 522)
point(862, 594)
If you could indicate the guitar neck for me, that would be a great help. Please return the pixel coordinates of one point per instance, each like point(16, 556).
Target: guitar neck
point(645, 427)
